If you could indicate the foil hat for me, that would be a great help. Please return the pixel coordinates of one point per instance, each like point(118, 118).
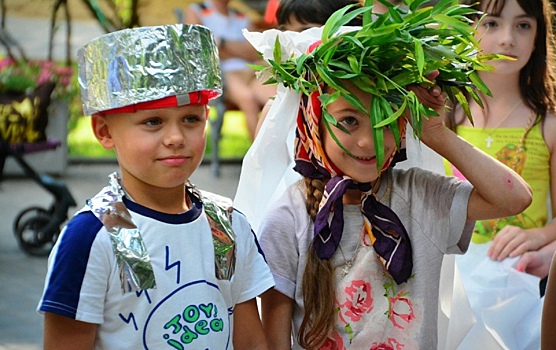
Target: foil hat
point(144, 64)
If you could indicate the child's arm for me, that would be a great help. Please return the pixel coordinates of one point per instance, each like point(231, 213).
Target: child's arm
point(191, 16)
point(498, 190)
point(227, 49)
point(248, 330)
point(512, 241)
point(277, 311)
point(548, 336)
point(62, 332)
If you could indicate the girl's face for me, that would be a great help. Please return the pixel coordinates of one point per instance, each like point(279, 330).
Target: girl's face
point(362, 167)
point(511, 33)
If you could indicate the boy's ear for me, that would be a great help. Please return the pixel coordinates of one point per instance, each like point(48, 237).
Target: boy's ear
point(101, 131)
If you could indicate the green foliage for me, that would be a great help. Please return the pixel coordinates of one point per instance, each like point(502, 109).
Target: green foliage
point(25, 75)
point(390, 51)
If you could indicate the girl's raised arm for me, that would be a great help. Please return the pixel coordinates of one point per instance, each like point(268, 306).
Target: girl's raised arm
point(499, 191)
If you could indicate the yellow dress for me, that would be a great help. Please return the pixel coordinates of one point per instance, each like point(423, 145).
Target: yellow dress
point(532, 163)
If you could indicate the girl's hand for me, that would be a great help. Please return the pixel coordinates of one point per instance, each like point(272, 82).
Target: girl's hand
point(432, 97)
point(537, 262)
point(513, 241)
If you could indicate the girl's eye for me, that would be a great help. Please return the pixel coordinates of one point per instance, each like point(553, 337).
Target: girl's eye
point(349, 121)
point(524, 25)
point(489, 24)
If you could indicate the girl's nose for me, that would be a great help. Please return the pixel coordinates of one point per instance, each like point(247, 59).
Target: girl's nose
point(506, 36)
point(366, 139)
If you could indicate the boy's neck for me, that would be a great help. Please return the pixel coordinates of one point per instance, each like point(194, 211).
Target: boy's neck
point(164, 200)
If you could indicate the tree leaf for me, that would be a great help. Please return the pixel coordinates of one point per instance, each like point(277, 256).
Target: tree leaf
point(419, 56)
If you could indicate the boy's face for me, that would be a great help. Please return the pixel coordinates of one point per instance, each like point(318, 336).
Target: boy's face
point(156, 148)
point(359, 141)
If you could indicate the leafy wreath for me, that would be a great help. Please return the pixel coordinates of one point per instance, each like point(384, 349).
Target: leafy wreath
point(389, 52)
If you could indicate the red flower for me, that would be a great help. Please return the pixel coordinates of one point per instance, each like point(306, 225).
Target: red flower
point(391, 345)
point(401, 309)
point(358, 302)
point(314, 46)
point(334, 343)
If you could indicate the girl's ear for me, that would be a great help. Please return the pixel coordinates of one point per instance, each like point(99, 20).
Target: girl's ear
point(101, 131)
point(208, 110)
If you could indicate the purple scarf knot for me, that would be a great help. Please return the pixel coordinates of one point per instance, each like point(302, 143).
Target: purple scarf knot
point(391, 241)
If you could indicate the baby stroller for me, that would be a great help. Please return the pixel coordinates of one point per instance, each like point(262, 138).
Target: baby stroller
point(37, 228)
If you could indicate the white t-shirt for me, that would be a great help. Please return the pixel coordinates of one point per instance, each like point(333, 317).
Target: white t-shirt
point(189, 308)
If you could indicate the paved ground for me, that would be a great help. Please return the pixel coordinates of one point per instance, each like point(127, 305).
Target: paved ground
point(22, 276)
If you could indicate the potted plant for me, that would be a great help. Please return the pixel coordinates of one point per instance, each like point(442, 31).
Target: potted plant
point(27, 88)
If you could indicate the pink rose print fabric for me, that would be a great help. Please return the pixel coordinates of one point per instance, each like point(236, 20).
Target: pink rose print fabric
point(359, 301)
point(374, 312)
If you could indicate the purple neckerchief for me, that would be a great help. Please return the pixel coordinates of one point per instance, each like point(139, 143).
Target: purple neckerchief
point(391, 241)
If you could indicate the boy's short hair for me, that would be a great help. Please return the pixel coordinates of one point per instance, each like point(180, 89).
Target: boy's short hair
point(149, 67)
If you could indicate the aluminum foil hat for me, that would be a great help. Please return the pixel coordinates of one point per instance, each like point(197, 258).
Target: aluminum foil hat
point(133, 66)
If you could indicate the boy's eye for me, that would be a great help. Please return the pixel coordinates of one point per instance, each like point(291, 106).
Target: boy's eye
point(153, 122)
point(190, 119)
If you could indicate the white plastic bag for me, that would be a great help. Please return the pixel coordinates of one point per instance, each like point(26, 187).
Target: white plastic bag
point(505, 302)
point(267, 168)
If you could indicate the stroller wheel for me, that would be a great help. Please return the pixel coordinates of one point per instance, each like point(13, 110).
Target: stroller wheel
point(26, 214)
point(32, 239)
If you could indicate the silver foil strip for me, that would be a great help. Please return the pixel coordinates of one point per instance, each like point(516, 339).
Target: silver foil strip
point(136, 272)
point(130, 66)
point(219, 213)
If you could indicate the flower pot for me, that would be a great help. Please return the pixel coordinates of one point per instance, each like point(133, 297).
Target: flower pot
point(52, 162)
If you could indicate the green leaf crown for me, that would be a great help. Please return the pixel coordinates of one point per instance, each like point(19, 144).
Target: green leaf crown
point(389, 52)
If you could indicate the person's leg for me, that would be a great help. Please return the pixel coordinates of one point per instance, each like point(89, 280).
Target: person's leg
point(238, 90)
point(262, 92)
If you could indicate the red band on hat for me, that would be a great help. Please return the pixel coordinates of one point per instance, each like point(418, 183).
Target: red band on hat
point(193, 98)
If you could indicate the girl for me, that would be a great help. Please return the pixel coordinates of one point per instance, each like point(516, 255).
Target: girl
point(356, 247)
point(345, 286)
point(517, 125)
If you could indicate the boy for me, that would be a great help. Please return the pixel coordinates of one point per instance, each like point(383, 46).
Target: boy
point(151, 262)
